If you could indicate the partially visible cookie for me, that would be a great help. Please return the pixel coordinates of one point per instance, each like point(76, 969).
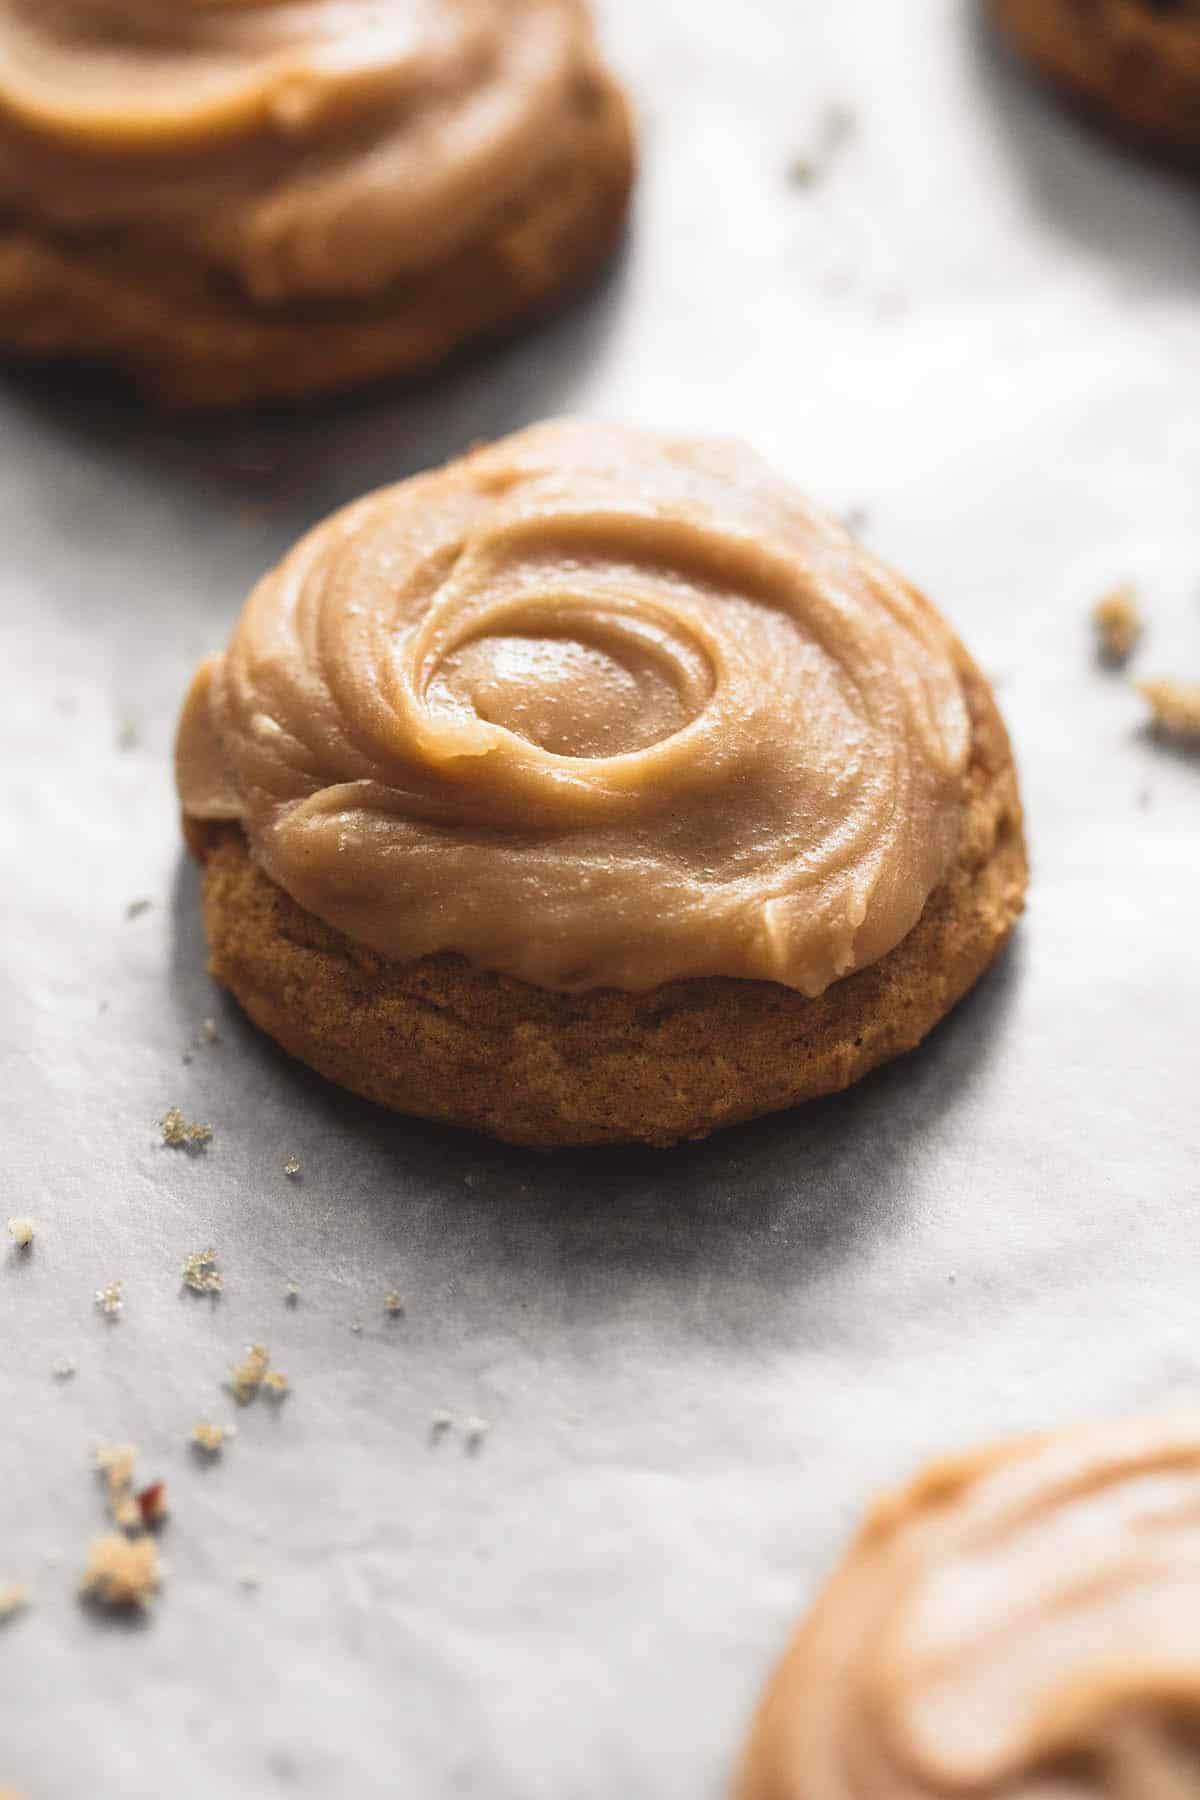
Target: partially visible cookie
point(1135, 61)
point(1020, 1621)
point(315, 195)
point(596, 789)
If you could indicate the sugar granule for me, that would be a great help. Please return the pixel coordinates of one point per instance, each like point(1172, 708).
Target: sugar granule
point(1175, 706)
point(63, 1368)
point(475, 1430)
point(392, 1303)
point(249, 1577)
point(121, 1571)
point(291, 1293)
point(208, 1437)
point(21, 1229)
point(200, 1272)
point(108, 1299)
point(14, 1597)
point(208, 1033)
point(180, 1134)
point(291, 1167)
point(246, 1377)
point(439, 1422)
point(1118, 623)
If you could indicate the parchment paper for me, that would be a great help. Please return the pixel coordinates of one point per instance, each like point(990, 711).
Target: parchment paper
point(978, 323)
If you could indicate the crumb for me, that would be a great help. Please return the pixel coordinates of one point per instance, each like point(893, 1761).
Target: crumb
point(116, 1463)
point(200, 1272)
point(108, 1299)
point(392, 1303)
point(136, 908)
point(276, 1384)
point(475, 1430)
point(152, 1503)
point(177, 1132)
point(291, 1293)
point(63, 1368)
point(292, 1166)
point(208, 1032)
point(21, 1230)
point(14, 1597)
point(356, 1328)
point(121, 1571)
point(1175, 708)
point(208, 1437)
point(1118, 624)
point(249, 1577)
point(440, 1421)
point(247, 1377)
point(803, 171)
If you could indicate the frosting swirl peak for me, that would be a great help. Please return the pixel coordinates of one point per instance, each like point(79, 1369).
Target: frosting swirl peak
point(591, 707)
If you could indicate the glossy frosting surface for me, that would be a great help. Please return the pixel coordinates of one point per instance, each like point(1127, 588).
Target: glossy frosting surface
point(591, 707)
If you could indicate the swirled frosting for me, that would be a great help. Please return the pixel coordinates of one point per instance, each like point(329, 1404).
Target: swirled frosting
point(304, 148)
point(1020, 1623)
point(591, 707)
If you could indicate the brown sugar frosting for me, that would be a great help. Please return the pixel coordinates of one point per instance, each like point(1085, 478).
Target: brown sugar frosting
point(591, 707)
point(1020, 1622)
point(306, 148)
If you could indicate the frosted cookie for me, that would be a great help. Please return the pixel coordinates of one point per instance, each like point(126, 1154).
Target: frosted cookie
point(261, 200)
point(1021, 1621)
point(596, 787)
point(1135, 61)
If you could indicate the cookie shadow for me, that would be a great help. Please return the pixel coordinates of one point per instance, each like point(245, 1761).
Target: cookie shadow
point(1117, 199)
point(330, 450)
point(769, 1206)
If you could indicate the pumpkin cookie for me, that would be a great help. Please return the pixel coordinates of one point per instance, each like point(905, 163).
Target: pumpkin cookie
point(1021, 1620)
point(1135, 61)
point(268, 200)
point(596, 788)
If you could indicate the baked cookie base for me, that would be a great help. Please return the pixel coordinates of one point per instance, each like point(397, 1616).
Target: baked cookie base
point(1138, 64)
point(442, 1039)
point(194, 343)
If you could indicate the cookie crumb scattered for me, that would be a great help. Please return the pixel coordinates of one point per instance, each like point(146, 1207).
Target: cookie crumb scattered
point(249, 1577)
point(392, 1303)
point(247, 1377)
point(440, 1421)
point(121, 1571)
point(21, 1231)
point(63, 1367)
point(475, 1430)
point(136, 908)
point(200, 1272)
point(14, 1598)
point(109, 1300)
point(1118, 624)
point(276, 1384)
point(291, 1293)
point(208, 1437)
point(356, 1328)
point(115, 1462)
point(208, 1033)
point(1175, 709)
point(177, 1131)
point(291, 1167)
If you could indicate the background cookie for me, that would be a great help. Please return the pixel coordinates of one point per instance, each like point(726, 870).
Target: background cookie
point(1136, 61)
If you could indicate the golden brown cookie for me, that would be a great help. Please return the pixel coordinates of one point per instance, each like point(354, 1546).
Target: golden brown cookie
point(1137, 62)
point(1022, 1620)
point(314, 222)
point(582, 916)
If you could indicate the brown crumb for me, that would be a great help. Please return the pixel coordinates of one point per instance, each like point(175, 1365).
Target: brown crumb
point(1175, 706)
point(1118, 624)
point(108, 1299)
point(116, 1463)
point(121, 1571)
point(392, 1303)
point(177, 1131)
point(14, 1597)
point(291, 1167)
point(21, 1229)
point(208, 1437)
point(200, 1272)
point(276, 1384)
point(136, 908)
point(248, 1375)
point(152, 1503)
